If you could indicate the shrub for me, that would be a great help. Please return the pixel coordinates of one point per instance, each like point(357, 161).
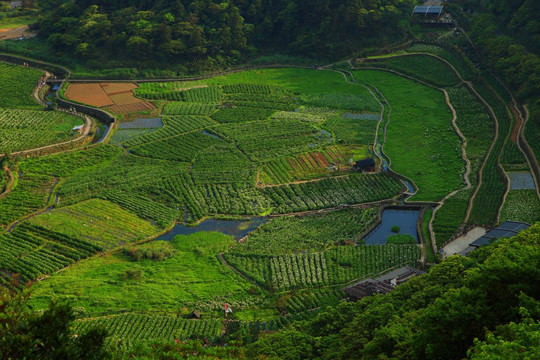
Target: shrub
point(401, 239)
point(395, 229)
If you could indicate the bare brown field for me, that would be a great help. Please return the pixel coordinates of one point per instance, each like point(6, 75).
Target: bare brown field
point(124, 98)
point(115, 97)
point(133, 107)
point(118, 88)
point(91, 94)
point(16, 33)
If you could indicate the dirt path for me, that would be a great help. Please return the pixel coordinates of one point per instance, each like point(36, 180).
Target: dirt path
point(9, 184)
point(465, 176)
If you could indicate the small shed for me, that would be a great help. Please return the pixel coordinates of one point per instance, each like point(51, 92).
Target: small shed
point(428, 12)
point(365, 165)
point(78, 128)
point(195, 314)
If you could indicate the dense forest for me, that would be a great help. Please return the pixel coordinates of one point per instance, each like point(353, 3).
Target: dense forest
point(509, 36)
point(203, 34)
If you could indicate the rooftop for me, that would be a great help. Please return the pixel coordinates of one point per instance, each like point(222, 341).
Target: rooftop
point(506, 230)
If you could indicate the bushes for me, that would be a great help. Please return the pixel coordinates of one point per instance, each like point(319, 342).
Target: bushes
point(159, 254)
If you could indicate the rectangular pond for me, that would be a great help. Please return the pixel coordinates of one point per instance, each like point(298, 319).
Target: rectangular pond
point(406, 219)
point(521, 181)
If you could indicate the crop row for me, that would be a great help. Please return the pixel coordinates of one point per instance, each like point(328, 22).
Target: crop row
point(126, 329)
point(192, 108)
point(423, 67)
point(27, 129)
point(144, 208)
point(241, 114)
point(30, 195)
point(251, 89)
point(335, 266)
point(353, 189)
point(462, 64)
point(268, 140)
point(31, 251)
point(173, 125)
point(180, 148)
point(352, 131)
point(313, 232)
point(491, 192)
point(16, 86)
point(201, 95)
point(312, 300)
point(477, 127)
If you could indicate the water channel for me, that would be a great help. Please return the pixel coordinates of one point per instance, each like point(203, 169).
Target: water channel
point(236, 228)
point(406, 219)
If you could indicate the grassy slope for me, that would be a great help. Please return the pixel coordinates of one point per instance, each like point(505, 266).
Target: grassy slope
point(320, 88)
point(420, 139)
point(193, 277)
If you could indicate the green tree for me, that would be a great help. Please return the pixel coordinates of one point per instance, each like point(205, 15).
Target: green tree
point(25, 334)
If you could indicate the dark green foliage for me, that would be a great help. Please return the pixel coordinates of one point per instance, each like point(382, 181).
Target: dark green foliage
point(160, 254)
point(509, 38)
point(401, 239)
point(437, 315)
point(242, 114)
point(25, 334)
point(202, 36)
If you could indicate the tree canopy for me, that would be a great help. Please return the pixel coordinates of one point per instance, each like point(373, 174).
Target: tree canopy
point(199, 34)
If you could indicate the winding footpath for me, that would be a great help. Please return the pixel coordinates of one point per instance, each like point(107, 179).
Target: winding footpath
point(86, 127)
point(456, 129)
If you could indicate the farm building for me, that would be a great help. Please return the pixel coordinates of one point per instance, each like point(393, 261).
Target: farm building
point(506, 230)
point(381, 285)
point(430, 14)
point(78, 128)
point(365, 165)
point(195, 314)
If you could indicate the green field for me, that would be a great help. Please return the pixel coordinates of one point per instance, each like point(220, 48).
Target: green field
point(28, 129)
point(97, 221)
point(192, 278)
point(521, 205)
point(421, 141)
point(16, 86)
point(315, 232)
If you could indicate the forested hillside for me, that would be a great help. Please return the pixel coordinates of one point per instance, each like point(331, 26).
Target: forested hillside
point(206, 34)
point(509, 36)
